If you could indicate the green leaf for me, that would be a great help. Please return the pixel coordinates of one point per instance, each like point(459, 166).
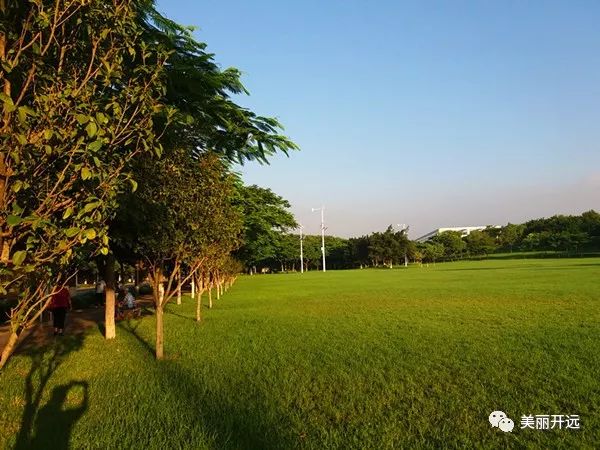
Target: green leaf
point(134, 185)
point(17, 185)
point(70, 232)
point(68, 213)
point(90, 206)
point(22, 114)
point(85, 173)
point(9, 106)
point(101, 118)
point(16, 156)
point(48, 134)
point(90, 233)
point(22, 139)
point(19, 257)
point(6, 99)
point(95, 146)
point(13, 220)
point(91, 129)
point(82, 118)
point(104, 251)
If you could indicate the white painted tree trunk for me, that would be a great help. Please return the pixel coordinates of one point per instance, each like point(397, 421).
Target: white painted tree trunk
point(110, 331)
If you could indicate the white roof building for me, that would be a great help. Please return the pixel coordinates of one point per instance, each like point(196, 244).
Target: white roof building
point(464, 231)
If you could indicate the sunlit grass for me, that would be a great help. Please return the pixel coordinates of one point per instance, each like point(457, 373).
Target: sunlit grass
point(347, 359)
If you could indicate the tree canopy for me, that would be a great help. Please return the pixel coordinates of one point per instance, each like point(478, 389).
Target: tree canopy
point(265, 217)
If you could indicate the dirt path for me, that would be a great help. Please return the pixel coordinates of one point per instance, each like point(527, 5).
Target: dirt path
point(78, 320)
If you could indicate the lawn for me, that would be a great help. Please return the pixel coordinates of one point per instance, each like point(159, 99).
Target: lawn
point(415, 357)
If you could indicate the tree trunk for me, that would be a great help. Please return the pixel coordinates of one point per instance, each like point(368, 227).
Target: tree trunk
point(210, 297)
point(9, 348)
point(159, 332)
point(193, 287)
point(199, 304)
point(179, 287)
point(109, 298)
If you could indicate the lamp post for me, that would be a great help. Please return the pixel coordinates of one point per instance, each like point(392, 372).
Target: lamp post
point(322, 209)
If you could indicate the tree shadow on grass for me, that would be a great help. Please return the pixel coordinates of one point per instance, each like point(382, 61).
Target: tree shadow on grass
point(49, 426)
point(193, 319)
point(237, 425)
point(131, 326)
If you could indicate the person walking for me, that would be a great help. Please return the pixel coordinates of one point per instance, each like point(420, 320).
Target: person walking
point(60, 303)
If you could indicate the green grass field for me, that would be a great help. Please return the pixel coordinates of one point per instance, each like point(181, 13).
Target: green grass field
point(400, 358)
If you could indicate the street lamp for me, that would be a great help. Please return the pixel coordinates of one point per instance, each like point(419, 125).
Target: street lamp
point(322, 209)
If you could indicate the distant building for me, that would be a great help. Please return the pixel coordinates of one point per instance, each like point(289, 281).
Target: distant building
point(464, 231)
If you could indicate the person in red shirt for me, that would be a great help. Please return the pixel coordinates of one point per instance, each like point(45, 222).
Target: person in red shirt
point(60, 303)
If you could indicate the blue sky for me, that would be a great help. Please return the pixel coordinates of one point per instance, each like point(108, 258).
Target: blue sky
point(426, 113)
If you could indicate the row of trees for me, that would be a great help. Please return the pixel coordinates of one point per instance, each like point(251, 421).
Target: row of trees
point(281, 252)
point(117, 135)
point(569, 234)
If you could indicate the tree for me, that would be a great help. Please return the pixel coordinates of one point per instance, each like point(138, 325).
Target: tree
point(288, 251)
point(266, 217)
point(453, 244)
point(479, 243)
point(388, 247)
point(433, 251)
point(180, 221)
point(312, 252)
point(358, 252)
point(80, 93)
point(338, 256)
point(510, 235)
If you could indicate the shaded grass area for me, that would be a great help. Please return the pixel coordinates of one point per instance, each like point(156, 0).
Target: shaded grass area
point(414, 357)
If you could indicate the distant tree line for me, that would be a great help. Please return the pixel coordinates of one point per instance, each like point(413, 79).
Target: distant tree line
point(279, 251)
